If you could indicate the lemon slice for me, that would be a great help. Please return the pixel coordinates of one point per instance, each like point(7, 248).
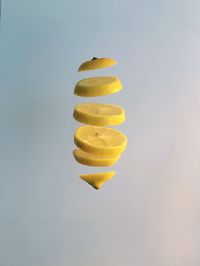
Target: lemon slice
point(97, 86)
point(96, 63)
point(100, 141)
point(92, 160)
point(97, 180)
point(99, 114)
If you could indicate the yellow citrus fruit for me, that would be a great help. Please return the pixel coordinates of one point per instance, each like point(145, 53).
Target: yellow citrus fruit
point(96, 63)
point(100, 141)
point(99, 114)
point(97, 180)
point(97, 86)
point(92, 160)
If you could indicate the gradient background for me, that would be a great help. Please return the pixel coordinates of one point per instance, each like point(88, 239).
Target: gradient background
point(149, 214)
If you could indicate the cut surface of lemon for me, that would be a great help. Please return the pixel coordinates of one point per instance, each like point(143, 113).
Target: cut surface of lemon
point(96, 63)
point(99, 114)
point(92, 160)
point(100, 141)
point(98, 179)
point(97, 86)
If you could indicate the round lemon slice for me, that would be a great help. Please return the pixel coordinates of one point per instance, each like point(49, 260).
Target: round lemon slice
point(99, 114)
point(92, 160)
point(100, 141)
point(96, 63)
point(98, 179)
point(97, 86)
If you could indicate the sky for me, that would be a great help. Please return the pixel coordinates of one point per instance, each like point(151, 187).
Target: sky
point(149, 213)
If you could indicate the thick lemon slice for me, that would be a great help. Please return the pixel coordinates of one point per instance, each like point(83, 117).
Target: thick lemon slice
point(92, 160)
point(100, 141)
point(97, 180)
point(97, 86)
point(99, 114)
point(96, 63)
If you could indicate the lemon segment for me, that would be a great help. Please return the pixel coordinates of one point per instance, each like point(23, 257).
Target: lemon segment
point(92, 160)
point(100, 141)
point(98, 179)
point(99, 114)
point(97, 86)
point(97, 63)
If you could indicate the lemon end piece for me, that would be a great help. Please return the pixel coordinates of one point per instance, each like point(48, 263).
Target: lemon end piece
point(98, 179)
point(96, 63)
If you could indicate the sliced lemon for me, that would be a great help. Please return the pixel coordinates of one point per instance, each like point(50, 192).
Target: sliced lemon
point(92, 160)
point(100, 141)
point(97, 86)
point(96, 63)
point(97, 180)
point(99, 114)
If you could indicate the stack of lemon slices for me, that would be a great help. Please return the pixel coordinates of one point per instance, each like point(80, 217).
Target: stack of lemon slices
point(98, 144)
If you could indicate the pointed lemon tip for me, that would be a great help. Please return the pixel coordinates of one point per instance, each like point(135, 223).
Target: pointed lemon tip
point(98, 186)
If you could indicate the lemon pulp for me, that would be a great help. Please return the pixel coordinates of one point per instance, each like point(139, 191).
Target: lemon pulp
point(100, 140)
point(97, 86)
point(92, 160)
point(99, 114)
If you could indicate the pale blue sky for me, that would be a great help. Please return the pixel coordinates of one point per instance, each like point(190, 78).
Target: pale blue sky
point(148, 215)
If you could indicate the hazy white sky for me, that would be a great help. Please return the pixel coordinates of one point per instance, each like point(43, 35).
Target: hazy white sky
point(149, 214)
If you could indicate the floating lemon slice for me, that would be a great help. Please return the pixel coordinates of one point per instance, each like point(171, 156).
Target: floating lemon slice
point(97, 180)
point(96, 63)
point(99, 114)
point(100, 141)
point(92, 160)
point(97, 86)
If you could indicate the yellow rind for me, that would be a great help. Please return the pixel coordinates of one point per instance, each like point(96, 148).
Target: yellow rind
point(90, 160)
point(99, 114)
point(108, 149)
point(97, 86)
point(98, 179)
point(97, 64)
